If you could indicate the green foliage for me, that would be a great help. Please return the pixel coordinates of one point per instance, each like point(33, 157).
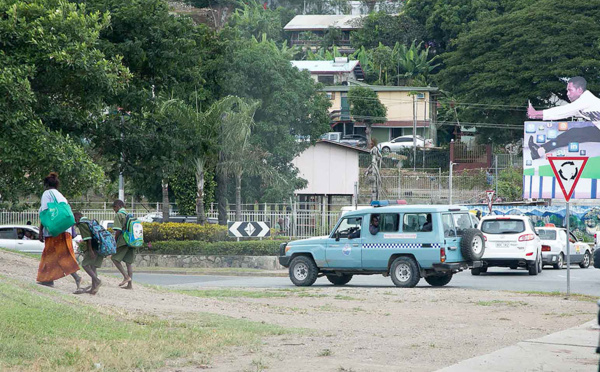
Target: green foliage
point(510, 184)
point(365, 106)
point(241, 248)
point(387, 29)
point(252, 20)
point(154, 232)
point(183, 185)
point(504, 61)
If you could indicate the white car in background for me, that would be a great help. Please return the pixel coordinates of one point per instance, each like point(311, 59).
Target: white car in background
point(11, 237)
point(402, 142)
point(510, 241)
point(554, 248)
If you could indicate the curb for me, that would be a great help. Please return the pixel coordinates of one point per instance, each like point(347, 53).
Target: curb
point(282, 274)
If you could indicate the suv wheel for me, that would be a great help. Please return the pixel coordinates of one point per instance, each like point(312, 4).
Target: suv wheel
point(303, 271)
point(339, 279)
point(561, 262)
point(405, 272)
point(586, 261)
point(472, 245)
point(385, 150)
point(439, 281)
point(534, 266)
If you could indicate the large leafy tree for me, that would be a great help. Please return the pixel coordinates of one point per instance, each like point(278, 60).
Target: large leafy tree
point(54, 84)
point(523, 55)
point(366, 108)
point(381, 28)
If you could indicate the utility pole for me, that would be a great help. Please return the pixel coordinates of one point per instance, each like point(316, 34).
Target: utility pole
point(415, 133)
point(121, 183)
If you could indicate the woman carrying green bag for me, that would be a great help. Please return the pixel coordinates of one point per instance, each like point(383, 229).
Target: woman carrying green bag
point(58, 259)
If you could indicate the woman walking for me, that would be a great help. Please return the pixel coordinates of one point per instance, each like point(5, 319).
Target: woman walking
point(58, 259)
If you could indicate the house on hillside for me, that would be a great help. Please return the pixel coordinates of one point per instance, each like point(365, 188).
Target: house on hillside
point(336, 72)
point(404, 105)
point(332, 170)
point(307, 30)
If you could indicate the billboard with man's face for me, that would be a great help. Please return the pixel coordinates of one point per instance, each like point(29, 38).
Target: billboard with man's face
point(543, 139)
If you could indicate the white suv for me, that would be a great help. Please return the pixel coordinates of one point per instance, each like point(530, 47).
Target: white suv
point(510, 241)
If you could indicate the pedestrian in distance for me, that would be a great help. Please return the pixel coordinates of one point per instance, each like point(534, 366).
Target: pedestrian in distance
point(91, 258)
point(58, 258)
point(583, 104)
point(124, 253)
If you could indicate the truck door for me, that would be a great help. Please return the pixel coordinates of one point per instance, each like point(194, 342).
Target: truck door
point(345, 244)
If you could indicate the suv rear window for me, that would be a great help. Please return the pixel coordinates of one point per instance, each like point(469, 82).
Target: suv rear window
point(547, 234)
point(503, 226)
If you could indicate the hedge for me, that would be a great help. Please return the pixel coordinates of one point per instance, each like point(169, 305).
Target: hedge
point(202, 248)
point(154, 232)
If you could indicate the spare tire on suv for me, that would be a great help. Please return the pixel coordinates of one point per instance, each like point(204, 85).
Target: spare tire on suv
point(472, 245)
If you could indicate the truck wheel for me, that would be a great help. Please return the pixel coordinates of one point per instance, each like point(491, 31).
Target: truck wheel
point(561, 262)
point(483, 269)
point(303, 271)
point(405, 272)
point(586, 261)
point(472, 245)
point(439, 281)
point(476, 271)
point(339, 280)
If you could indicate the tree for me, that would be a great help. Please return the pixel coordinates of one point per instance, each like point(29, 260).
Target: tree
point(54, 83)
point(525, 54)
point(381, 28)
point(365, 107)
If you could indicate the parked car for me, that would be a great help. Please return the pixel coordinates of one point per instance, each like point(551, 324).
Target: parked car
point(107, 224)
point(412, 242)
point(185, 219)
point(11, 237)
point(511, 241)
point(554, 248)
point(402, 142)
point(356, 140)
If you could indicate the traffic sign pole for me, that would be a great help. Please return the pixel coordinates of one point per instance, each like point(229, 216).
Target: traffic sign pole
point(568, 252)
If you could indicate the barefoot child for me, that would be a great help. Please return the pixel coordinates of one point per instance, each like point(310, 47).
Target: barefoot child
point(124, 253)
point(91, 258)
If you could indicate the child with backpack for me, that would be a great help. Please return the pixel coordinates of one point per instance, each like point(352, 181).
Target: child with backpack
point(124, 232)
point(92, 235)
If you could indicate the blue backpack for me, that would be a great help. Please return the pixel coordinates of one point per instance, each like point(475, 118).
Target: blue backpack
point(133, 231)
point(104, 239)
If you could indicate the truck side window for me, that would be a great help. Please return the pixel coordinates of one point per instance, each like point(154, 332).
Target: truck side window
point(448, 223)
point(349, 228)
point(388, 222)
point(417, 222)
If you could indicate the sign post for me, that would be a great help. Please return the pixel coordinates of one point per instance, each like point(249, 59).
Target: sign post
point(567, 170)
point(490, 199)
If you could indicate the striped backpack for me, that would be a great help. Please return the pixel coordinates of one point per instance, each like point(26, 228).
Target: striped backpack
point(106, 242)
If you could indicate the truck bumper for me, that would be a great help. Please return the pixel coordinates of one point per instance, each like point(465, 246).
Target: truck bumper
point(284, 261)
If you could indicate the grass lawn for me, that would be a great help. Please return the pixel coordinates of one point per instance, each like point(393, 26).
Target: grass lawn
point(44, 330)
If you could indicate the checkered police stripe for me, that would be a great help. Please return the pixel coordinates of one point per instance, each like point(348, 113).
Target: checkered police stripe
point(398, 245)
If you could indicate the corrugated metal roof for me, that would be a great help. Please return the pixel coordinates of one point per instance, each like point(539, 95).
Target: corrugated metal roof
point(380, 88)
point(325, 66)
point(323, 22)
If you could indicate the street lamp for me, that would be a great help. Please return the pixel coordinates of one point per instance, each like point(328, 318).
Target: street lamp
point(450, 182)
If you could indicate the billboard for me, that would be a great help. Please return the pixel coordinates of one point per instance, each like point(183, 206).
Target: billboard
point(543, 139)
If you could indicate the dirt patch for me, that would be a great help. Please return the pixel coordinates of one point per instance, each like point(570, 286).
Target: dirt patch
point(348, 329)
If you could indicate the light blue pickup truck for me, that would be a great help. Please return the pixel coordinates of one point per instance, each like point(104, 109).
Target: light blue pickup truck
point(406, 242)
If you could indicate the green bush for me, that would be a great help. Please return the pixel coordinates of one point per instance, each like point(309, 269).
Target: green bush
point(203, 248)
point(154, 232)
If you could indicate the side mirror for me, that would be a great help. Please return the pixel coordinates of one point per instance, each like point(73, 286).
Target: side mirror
point(337, 236)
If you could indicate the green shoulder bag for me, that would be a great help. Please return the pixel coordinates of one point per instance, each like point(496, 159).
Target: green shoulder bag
point(58, 217)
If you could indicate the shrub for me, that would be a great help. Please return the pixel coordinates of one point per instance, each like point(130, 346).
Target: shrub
point(154, 232)
point(203, 248)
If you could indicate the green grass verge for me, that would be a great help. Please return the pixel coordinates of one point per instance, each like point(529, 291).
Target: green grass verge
point(573, 296)
point(32, 255)
point(44, 330)
point(228, 293)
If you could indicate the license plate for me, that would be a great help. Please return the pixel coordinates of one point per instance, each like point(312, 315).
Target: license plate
point(504, 245)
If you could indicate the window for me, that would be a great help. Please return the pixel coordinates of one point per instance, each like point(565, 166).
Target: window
point(547, 234)
point(507, 226)
point(325, 79)
point(462, 222)
point(416, 222)
point(331, 95)
point(448, 224)
point(388, 222)
point(8, 233)
point(349, 227)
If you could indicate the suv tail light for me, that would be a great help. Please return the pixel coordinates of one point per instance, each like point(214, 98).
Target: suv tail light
point(526, 237)
point(546, 248)
point(442, 254)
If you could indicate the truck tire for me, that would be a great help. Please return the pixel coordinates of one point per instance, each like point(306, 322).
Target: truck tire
point(586, 261)
point(303, 271)
point(439, 281)
point(405, 272)
point(472, 245)
point(339, 279)
point(476, 271)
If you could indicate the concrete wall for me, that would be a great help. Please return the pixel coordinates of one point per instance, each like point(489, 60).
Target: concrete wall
point(328, 168)
point(185, 261)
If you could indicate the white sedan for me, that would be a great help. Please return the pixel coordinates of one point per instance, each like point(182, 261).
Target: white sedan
point(24, 238)
point(402, 142)
point(554, 248)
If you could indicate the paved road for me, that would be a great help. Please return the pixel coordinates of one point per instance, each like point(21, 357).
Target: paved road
point(583, 281)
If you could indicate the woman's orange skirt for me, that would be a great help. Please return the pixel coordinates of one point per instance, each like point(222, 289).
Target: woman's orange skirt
point(58, 259)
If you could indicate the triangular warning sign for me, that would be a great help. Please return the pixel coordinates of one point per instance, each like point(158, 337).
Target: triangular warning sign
point(490, 195)
point(567, 170)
